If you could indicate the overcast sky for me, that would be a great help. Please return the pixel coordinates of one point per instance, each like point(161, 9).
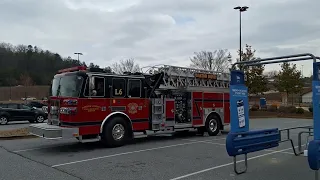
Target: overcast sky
point(161, 31)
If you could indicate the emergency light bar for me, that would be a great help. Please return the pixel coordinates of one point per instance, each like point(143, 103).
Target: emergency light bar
point(72, 69)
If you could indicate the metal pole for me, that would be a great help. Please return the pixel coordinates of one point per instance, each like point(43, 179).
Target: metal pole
point(240, 9)
point(10, 88)
point(78, 53)
point(10, 93)
point(240, 39)
point(259, 61)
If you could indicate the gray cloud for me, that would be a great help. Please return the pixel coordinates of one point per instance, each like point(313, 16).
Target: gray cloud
point(154, 31)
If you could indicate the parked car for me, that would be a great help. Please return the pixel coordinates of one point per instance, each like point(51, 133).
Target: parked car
point(20, 112)
point(29, 98)
point(36, 104)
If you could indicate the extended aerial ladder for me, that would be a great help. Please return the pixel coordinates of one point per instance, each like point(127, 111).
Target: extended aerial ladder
point(175, 77)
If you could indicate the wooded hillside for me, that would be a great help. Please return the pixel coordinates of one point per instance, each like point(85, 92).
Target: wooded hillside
point(30, 65)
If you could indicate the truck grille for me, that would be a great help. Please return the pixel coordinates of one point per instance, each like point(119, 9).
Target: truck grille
point(54, 114)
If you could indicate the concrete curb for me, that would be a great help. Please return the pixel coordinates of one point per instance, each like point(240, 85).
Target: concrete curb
point(291, 117)
point(17, 137)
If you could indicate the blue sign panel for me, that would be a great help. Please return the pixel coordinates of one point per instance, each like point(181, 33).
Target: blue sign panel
point(314, 145)
point(316, 71)
point(316, 108)
point(239, 108)
point(237, 77)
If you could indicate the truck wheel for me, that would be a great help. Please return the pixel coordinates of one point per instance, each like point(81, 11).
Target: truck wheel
point(115, 132)
point(213, 125)
point(4, 120)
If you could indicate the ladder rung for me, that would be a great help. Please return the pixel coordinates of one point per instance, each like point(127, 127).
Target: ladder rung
point(177, 77)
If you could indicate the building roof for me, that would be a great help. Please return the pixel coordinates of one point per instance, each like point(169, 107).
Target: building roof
point(306, 90)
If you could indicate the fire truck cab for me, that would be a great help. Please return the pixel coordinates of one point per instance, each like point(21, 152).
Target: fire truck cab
point(89, 103)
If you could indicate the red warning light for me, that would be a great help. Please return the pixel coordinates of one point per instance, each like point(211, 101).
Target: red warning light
point(72, 69)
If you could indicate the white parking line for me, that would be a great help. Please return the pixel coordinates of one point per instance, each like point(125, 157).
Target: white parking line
point(31, 149)
point(210, 142)
point(224, 165)
point(270, 150)
point(217, 139)
point(214, 143)
point(125, 153)
point(205, 141)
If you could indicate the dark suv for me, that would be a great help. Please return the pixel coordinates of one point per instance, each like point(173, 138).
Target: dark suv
point(36, 104)
point(20, 112)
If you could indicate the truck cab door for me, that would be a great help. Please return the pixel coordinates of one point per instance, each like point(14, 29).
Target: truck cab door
point(197, 109)
point(170, 112)
point(137, 106)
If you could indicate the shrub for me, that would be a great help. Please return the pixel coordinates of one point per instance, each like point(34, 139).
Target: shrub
point(292, 109)
point(255, 107)
point(282, 109)
point(273, 108)
point(263, 107)
point(310, 109)
point(299, 111)
point(287, 109)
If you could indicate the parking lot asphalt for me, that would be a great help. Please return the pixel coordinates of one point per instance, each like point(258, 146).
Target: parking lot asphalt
point(161, 157)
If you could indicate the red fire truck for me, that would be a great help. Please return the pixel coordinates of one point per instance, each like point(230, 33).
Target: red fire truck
point(91, 104)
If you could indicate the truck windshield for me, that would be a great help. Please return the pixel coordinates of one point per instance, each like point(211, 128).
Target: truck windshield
point(66, 86)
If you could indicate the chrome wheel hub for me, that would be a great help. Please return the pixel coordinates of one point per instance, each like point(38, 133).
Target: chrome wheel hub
point(118, 132)
point(40, 118)
point(3, 120)
point(213, 125)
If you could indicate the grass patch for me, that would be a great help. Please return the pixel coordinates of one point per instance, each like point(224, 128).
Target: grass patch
point(268, 114)
point(14, 133)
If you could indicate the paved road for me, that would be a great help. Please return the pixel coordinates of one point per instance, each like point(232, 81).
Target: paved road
point(168, 158)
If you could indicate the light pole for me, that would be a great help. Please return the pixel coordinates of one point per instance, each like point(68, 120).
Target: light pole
point(230, 60)
point(241, 9)
point(78, 53)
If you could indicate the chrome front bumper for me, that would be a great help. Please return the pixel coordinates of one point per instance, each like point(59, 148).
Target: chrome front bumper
point(48, 131)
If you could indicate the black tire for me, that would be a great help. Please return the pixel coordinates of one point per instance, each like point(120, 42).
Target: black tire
point(5, 120)
point(39, 119)
point(116, 123)
point(201, 130)
point(213, 125)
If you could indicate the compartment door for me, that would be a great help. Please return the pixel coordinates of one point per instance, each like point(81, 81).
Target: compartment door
point(169, 110)
point(197, 109)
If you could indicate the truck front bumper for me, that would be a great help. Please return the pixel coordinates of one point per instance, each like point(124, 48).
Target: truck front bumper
point(48, 131)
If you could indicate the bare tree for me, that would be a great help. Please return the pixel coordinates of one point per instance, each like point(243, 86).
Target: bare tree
point(271, 74)
point(217, 60)
point(127, 65)
point(25, 80)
